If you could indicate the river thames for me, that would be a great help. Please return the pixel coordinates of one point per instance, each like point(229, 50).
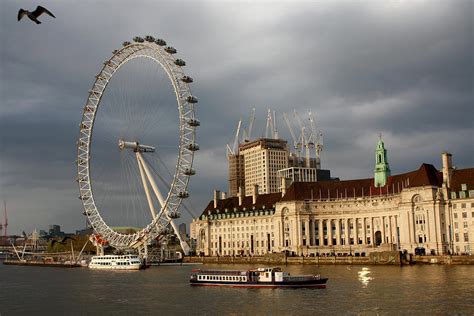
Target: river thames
point(351, 290)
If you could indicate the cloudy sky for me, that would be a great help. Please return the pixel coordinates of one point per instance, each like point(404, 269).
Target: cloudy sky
point(400, 68)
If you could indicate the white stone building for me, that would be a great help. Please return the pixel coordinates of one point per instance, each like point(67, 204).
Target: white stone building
point(420, 211)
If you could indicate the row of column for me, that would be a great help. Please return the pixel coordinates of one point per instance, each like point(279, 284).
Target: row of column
point(388, 234)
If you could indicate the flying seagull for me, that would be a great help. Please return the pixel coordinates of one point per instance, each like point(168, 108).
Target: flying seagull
point(62, 242)
point(35, 14)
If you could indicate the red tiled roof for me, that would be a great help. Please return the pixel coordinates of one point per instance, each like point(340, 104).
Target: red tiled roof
point(425, 175)
point(462, 176)
point(267, 200)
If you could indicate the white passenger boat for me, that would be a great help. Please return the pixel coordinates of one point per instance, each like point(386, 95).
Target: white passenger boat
point(255, 278)
point(114, 262)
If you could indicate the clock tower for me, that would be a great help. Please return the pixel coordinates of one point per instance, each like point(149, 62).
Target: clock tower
point(382, 170)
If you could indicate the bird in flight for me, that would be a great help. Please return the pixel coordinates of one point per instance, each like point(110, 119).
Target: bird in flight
point(62, 242)
point(34, 14)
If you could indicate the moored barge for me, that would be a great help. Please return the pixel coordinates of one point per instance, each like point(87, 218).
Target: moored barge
point(256, 278)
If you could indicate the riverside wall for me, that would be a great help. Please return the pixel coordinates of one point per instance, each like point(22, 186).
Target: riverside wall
point(378, 258)
point(386, 258)
point(455, 260)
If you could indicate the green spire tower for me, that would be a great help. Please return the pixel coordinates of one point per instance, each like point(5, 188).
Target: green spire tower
point(382, 170)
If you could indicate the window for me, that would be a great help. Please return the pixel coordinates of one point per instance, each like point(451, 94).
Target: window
point(464, 214)
point(466, 237)
point(456, 225)
point(456, 236)
point(463, 205)
point(455, 215)
point(464, 224)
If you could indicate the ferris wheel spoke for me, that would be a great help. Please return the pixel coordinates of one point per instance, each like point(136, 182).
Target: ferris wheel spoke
point(165, 183)
point(149, 175)
point(145, 186)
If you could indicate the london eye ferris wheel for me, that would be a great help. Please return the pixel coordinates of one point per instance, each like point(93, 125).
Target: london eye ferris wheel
point(134, 154)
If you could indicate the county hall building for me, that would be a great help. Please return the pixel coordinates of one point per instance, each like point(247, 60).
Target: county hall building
point(425, 210)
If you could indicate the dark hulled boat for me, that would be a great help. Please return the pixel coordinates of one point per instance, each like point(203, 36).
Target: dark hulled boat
point(256, 278)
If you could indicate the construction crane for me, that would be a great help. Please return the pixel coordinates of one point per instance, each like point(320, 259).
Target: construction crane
point(5, 225)
point(234, 150)
point(275, 131)
point(305, 141)
point(271, 128)
point(317, 139)
point(247, 134)
point(296, 142)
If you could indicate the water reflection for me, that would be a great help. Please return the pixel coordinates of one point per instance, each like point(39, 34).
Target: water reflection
point(364, 276)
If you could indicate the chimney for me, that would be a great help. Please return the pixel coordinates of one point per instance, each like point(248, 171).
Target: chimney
point(217, 194)
point(223, 195)
point(283, 185)
point(447, 169)
point(255, 194)
point(240, 195)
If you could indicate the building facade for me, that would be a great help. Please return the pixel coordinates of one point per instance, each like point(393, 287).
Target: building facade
point(262, 160)
point(236, 173)
point(423, 210)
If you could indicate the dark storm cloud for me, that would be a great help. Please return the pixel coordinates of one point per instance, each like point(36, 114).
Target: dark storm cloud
point(403, 69)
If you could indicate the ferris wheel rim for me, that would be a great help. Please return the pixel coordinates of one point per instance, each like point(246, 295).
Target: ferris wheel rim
point(186, 147)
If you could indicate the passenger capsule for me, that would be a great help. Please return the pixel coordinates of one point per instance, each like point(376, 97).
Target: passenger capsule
point(183, 194)
point(138, 39)
point(160, 42)
point(194, 122)
point(192, 99)
point(171, 50)
point(180, 62)
point(149, 38)
point(189, 172)
point(115, 51)
point(187, 79)
point(126, 44)
point(173, 214)
point(193, 147)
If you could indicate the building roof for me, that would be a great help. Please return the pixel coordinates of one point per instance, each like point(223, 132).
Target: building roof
point(265, 143)
point(426, 175)
point(263, 200)
point(462, 176)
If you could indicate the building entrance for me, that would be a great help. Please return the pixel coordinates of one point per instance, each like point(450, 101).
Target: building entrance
point(378, 238)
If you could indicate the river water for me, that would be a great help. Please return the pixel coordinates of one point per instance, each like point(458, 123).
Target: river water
point(351, 290)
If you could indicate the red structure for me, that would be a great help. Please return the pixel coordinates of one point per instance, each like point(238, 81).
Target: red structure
point(5, 224)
